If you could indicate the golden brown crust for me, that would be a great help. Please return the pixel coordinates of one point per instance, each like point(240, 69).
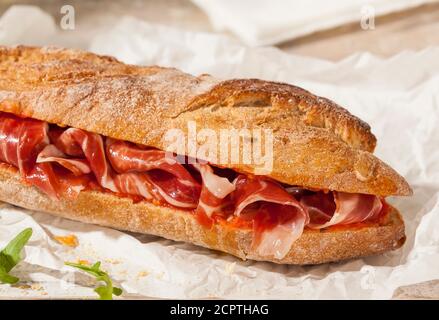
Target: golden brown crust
point(317, 144)
point(313, 247)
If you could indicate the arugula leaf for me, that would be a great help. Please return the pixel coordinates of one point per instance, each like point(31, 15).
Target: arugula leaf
point(10, 256)
point(106, 291)
point(6, 277)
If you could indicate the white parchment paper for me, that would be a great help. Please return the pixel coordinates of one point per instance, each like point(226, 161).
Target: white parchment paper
point(398, 97)
point(261, 22)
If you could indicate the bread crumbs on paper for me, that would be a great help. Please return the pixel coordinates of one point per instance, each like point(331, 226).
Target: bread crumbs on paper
point(142, 274)
point(90, 251)
point(83, 262)
point(22, 286)
point(113, 261)
point(36, 287)
point(70, 240)
point(230, 267)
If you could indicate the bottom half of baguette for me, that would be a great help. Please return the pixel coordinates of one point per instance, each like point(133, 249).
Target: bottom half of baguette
point(106, 209)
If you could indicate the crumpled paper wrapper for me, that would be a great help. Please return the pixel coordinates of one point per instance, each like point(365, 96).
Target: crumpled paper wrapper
point(398, 97)
point(261, 22)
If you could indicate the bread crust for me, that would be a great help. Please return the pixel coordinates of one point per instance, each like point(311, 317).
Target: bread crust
point(317, 144)
point(313, 247)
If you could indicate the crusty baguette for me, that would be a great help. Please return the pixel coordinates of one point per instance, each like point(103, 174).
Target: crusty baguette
point(317, 144)
point(313, 247)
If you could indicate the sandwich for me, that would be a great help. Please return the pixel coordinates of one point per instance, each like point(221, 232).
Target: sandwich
point(89, 138)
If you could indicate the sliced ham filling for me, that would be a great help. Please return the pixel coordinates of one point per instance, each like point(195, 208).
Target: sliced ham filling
point(278, 218)
point(63, 162)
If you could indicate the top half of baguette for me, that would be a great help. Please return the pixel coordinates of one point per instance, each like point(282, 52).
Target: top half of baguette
point(317, 144)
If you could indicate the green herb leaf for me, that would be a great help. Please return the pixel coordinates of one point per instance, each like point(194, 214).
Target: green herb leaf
point(117, 291)
point(10, 256)
point(6, 277)
point(106, 291)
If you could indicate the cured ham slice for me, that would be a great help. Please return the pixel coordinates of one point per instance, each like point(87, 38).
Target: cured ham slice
point(276, 228)
point(43, 177)
point(135, 184)
point(339, 208)
point(21, 142)
point(218, 186)
point(320, 206)
point(64, 141)
point(214, 192)
point(133, 171)
point(278, 218)
point(166, 177)
point(52, 154)
point(126, 157)
point(92, 147)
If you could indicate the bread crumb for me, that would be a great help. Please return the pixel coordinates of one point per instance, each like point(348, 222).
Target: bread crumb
point(113, 261)
point(36, 287)
point(230, 267)
point(90, 251)
point(83, 262)
point(142, 274)
point(22, 286)
point(69, 240)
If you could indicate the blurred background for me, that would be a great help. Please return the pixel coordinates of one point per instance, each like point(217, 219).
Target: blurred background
point(329, 30)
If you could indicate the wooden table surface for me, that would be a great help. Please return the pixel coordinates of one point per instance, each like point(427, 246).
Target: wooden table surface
point(414, 29)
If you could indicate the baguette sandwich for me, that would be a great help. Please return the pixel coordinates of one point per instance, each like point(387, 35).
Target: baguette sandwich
point(88, 138)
